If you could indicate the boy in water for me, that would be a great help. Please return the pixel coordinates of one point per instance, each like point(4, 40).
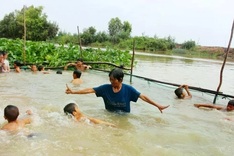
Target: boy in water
point(229, 107)
point(17, 65)
point(76, 77)
point(73, 109)
point(79, 65)
point(41, 69)
point(11, 114)
point(181, 94)
point(33, 68)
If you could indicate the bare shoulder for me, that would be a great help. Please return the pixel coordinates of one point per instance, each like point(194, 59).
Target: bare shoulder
point(10, 126)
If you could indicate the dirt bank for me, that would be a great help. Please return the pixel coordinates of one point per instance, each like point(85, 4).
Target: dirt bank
point(220, 51)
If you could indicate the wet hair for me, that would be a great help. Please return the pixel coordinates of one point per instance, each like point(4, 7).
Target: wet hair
point(80, 59)
point(69, 108)
point(40, 67)
point(4, 53)
point(179, 92)
point(59, 72)
point(231, 102)
point(11, 113)
point(17, 63)
point(117, 73)
point(77, 73)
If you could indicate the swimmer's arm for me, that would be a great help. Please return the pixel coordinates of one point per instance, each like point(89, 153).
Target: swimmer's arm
point(45, 72)
point(69, 64)
point(229, 119)
point(97, 121)
point(208, 106)
point(186, 87)
point(83, 91)
point(146, 99)
point(87, 66)
point(188, 92)
point(27, 120)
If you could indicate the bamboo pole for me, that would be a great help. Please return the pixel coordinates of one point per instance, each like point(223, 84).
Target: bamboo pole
point(79, 40)
point(24, 48)
point(224, 62)
point(133, 55)
point(107, 63)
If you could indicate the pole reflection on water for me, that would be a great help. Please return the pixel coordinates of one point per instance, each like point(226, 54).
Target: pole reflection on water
point(182, 129)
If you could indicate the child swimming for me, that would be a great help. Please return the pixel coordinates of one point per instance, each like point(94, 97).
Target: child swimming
point(73, 109)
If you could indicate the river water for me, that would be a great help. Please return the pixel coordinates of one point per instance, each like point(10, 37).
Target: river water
point(204, 73)
point(180, 130)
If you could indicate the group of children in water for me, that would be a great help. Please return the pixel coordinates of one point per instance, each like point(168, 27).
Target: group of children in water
point(116, 97)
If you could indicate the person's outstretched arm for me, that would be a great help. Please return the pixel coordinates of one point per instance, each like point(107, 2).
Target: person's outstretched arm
point(148, 100)
point(208, 106)
point(69, 64)
point(83, 91)
point(97, 121)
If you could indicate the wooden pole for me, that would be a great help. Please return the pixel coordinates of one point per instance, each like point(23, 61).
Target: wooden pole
point(133, 55)
point(79, 40)
point(24, 53)
point(224, 61)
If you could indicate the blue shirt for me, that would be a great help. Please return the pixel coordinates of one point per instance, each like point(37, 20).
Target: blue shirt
point(117, 101)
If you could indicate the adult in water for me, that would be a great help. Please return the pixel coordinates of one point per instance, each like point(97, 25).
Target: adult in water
point(117, 95)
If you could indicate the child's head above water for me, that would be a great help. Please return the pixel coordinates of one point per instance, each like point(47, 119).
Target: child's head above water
point(76, 74)
point(17, 63)
point(40, 68)
point(70, 108)
point(179, 93)
point(59, 72)
point(230, 105)
point(33, 68)
point(11, 113)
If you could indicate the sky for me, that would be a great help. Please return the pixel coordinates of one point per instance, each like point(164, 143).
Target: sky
point(207, 22)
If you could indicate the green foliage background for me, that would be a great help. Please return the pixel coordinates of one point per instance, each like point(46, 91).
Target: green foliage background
point(56, 55)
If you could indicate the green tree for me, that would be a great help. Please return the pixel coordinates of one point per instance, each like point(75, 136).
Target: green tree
point(119, 30)
point(38, 28)
point(102, 37)
point(126, 30)
point(9, 27)
point(188, 45)
point(88, 36)
point(171, 42)
point(66, 38)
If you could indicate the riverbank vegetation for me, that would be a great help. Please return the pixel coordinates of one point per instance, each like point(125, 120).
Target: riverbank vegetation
point(58, 55)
